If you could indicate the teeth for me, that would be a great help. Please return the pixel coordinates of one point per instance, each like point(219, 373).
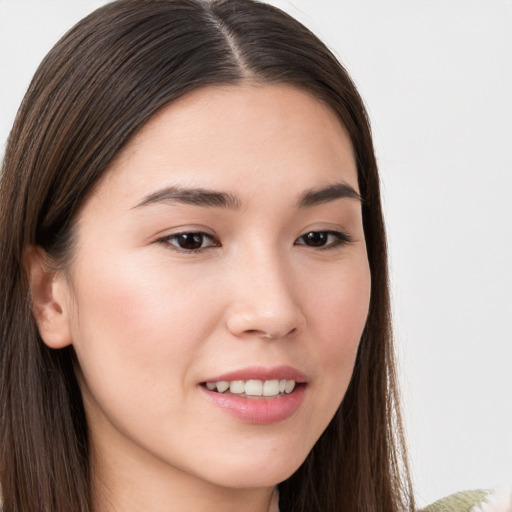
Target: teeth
point(222, 385)
point(273, 387)
point(290, 384)
point(254, 388)
point(237, 386)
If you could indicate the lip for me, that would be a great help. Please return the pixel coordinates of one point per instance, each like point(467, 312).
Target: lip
point(259, 410)
point(262, 373)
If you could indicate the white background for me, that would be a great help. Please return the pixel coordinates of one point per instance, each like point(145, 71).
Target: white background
point(437, 79)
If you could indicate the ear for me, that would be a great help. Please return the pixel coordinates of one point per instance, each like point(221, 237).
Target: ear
point(49, 292)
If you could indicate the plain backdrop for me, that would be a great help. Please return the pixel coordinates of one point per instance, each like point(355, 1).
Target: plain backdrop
point(437, 80)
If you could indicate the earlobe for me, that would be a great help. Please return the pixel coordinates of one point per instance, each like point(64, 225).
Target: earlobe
point(50, 298)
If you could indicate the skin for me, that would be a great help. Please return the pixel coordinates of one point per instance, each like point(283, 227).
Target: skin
point(150, 321)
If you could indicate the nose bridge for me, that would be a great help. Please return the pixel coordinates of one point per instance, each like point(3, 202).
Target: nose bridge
point(263, 302)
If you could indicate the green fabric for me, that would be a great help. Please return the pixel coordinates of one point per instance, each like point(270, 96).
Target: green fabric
point(460, 502)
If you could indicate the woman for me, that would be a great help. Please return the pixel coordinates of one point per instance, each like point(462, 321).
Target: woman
point(194, 286)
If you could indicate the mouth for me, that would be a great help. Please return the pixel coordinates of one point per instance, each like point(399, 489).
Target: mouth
point(253, 388)
point(257, 395)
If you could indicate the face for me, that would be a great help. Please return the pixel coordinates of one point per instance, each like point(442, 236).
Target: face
point(224, 245)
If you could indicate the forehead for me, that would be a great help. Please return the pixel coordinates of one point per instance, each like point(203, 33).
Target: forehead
point(249, 136)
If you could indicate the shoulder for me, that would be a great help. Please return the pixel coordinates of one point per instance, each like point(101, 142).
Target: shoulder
point(465, 501)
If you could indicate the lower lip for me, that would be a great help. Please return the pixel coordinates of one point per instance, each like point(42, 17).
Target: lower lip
point(258, 411)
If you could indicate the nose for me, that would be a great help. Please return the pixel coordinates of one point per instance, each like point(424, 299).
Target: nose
point(264, 301)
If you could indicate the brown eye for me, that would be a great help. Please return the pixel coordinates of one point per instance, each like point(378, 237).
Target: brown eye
point(323, 239)
point(191, 241)
point(316, 238)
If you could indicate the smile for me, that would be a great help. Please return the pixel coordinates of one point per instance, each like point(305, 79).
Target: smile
point(257, 395)
point(253, 387)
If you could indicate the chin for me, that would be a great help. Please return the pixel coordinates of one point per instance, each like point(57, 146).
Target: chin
point(252, 473)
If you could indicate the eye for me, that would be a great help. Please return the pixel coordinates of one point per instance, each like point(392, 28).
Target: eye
point(323, 239)
point(190, 241)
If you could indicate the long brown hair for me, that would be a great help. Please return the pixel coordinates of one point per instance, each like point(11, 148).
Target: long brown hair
point(105, 78)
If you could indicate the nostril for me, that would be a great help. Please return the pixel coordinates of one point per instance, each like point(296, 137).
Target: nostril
point(270, 335)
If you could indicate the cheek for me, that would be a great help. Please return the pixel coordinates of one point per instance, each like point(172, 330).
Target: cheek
point(339, 310)
point(141, 306)
point(137, 326)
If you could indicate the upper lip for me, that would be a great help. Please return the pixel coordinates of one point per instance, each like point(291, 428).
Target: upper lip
point(261, 373)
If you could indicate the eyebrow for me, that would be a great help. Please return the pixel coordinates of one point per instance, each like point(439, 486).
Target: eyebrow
point(211, 198)
point(193, 196)
point(332, 192)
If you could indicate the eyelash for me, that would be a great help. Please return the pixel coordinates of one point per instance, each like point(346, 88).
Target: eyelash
point(339, 239)
point(168, 240)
